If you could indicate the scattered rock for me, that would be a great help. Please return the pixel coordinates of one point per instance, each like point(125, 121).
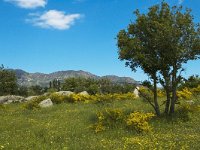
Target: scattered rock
point(11, 99)
point(30, 98)
point(136, 91)
point(85, 93)
point(46, 103)
point(65, 93)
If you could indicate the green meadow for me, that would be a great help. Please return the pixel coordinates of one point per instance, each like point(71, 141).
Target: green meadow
point(70, 126)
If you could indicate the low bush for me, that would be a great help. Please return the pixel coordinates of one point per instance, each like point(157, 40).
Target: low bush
point(56, 98)
point(74, 98)
point(112, 118)
point(184, 94)
point(112, 97)
point(196, 91)
point(185, 110)
point(109, 118)
point(139, 121)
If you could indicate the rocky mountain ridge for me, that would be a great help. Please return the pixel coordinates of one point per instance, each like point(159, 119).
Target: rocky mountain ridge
point(28, 79)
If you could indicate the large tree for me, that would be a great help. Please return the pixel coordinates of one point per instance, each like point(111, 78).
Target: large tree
point(159, 42)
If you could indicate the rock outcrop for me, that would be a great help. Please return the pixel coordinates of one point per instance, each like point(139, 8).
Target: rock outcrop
point(65, 93)
point(11, 99)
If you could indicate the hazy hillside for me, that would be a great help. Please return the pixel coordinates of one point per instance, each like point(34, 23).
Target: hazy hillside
point(29, 79)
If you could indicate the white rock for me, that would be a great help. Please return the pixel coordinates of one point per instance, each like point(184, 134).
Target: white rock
point(66, 93)
point(11, 99)
point(136, 91)
point(46, 103)
point(84, 93)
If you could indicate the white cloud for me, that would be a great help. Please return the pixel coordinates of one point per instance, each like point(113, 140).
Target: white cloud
point(180, 2)
point(28, 3)
point(54, 19)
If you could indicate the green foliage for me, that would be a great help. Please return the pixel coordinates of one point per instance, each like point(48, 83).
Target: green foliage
point(36, 90)
point(95, 86)
point(8, 82)
point(192, 82)
point(57, 98)
point(55, 84)
point(52, 90)
point(22, 91)
point(109, 118)
point(101, 98)
point(195, 91)
point(160, 42)
point(147, 84)
point(185, 111)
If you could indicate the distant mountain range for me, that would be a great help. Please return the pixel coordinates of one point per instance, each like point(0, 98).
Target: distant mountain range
point(28, 79)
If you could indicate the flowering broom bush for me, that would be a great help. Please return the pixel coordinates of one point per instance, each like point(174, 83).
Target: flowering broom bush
point(139, 121)
point(184, 94)
point(108, 118)
point(74, 98)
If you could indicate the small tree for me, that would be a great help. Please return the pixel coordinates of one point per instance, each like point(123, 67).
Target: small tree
point(8, 82)
point(159, 42)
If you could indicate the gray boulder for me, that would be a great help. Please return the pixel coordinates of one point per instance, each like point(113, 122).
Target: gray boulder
point(65, 93)
point(11, 99)
point(46, 103)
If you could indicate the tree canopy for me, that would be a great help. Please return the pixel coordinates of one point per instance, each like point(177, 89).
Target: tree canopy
point(8, 82)
point(159, 42)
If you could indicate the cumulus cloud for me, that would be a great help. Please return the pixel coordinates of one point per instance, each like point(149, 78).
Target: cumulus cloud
point(28, 3)
point(53, 19)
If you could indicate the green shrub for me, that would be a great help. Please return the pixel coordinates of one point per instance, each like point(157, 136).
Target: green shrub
point(57, 98)
point(185, 111)
point(196, 91)
point(112, 97)
point(109, 118)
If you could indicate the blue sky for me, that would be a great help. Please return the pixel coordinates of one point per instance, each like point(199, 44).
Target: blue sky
point(47, 36)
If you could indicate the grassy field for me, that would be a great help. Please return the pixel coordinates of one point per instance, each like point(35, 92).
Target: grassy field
point(68, 126)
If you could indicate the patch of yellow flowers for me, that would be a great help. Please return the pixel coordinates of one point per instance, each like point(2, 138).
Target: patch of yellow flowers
point(139, 121)
point(184, 94)
point(56, 98)
point(135, 120)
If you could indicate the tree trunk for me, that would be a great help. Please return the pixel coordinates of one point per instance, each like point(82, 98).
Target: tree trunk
point(174, 88)
point(167, 101)
point(157, 109)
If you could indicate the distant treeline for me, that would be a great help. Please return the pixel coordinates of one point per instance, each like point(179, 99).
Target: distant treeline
point(92, 86)
point(9, 86)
